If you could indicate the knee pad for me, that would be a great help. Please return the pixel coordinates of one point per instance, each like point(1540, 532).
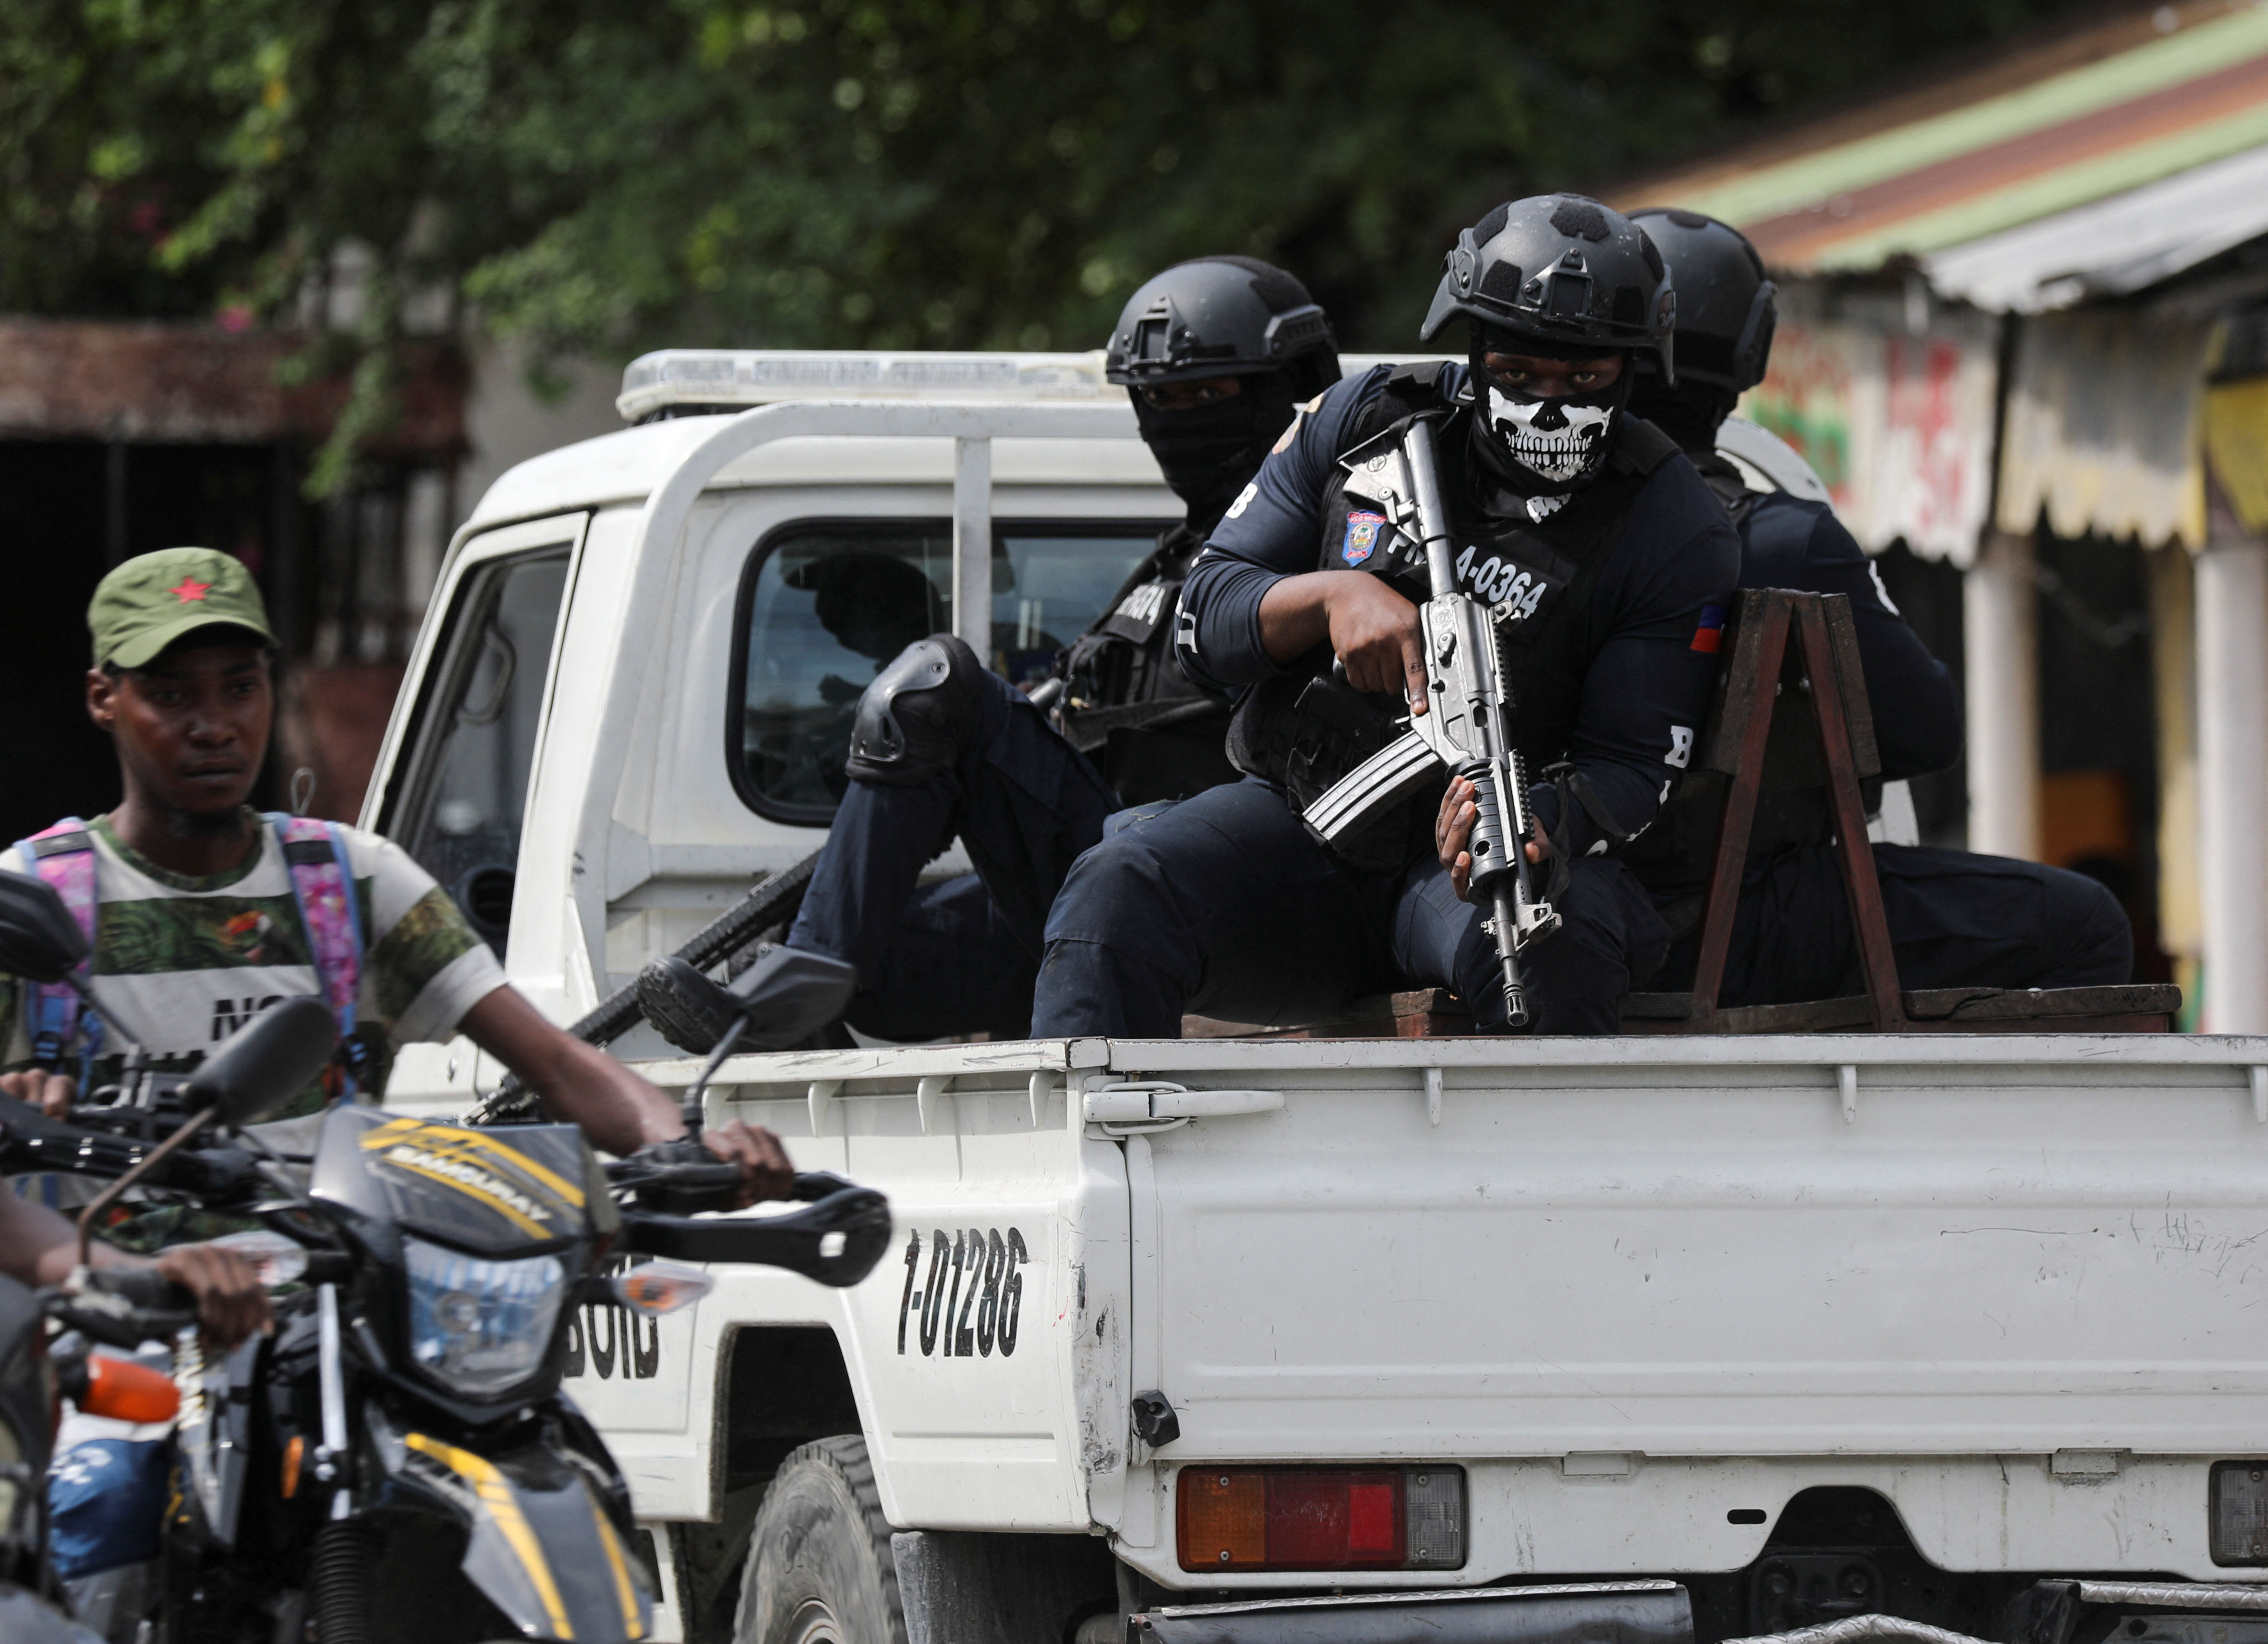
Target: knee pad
point(918, 716)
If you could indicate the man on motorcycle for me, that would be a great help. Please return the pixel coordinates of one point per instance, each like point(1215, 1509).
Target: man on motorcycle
point(200, 911)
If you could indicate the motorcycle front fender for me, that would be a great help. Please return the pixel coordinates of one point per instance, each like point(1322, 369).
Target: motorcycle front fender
point(540, 1545)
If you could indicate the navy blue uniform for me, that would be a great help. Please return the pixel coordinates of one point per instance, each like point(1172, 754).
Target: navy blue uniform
point(1647, 688)
point(1224, 905)
point(958, 956)
point(1787, 542)
point(1956, 919)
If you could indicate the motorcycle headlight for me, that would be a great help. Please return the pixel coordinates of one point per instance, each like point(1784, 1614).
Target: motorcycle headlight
point(479, 1325)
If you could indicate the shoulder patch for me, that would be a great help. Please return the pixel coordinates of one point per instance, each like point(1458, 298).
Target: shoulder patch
point(1362, 529)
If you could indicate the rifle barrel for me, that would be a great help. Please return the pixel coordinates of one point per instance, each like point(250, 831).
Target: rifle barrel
point(1432, 519)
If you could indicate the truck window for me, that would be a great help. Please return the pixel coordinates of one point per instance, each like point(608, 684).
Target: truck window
point(823, 607)
point(476, 740)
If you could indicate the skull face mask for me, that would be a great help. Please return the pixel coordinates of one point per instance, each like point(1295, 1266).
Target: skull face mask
point(1560, 442)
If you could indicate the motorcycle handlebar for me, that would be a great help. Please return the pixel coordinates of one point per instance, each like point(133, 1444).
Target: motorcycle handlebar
point(124, 1307)
point(703, 1182)
point(31, 1142)
point(836, 1240)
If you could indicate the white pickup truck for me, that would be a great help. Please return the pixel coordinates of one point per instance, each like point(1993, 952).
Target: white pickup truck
point(1646, 1338)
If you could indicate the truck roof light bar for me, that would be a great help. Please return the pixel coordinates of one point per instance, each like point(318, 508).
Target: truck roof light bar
point(735, 377)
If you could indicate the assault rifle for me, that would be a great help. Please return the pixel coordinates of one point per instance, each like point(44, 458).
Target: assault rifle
point(1466, 723)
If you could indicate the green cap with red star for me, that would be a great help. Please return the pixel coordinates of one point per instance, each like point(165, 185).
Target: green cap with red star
point(154, 599)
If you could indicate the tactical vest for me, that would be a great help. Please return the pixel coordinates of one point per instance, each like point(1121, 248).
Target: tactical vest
point(1155, 732)
point(1304, 729)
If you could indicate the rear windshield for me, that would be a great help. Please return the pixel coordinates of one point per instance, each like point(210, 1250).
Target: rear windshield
point(823, 607)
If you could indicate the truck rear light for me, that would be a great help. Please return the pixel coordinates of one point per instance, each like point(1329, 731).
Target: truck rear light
point(2239, 1497)
point(1320, 1518)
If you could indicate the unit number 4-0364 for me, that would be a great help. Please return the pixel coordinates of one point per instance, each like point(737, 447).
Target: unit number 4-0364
point(972, 1298)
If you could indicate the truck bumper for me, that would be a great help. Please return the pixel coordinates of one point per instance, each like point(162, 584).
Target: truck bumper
point(1608, 1613)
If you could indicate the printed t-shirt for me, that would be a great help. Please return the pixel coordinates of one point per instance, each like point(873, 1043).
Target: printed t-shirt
point(181, 962)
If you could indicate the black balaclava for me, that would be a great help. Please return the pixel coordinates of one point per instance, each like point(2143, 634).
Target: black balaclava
point(1209, 453)
point(1539, 448)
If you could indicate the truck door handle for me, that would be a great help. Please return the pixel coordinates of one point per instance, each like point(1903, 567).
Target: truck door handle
point(1157, 1105)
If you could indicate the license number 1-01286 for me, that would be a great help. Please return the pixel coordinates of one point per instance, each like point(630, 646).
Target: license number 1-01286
point(972, 1298)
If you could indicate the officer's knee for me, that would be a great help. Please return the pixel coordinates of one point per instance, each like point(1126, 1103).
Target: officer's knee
point(2093, 935)
point(1114, 894)
point(1595, 905)
point(919, 715)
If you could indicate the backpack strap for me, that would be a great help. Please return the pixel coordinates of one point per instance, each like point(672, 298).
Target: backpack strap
point(322, 885)
point(64, 856)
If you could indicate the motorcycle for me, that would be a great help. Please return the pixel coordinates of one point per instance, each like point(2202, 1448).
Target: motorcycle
point(398, 1460)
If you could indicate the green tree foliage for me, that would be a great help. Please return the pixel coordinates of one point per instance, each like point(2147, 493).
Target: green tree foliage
point(604, 174)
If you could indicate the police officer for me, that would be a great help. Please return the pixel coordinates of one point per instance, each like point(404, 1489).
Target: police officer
point(1603, 552)
point(1957, 920)
point(1216, 354)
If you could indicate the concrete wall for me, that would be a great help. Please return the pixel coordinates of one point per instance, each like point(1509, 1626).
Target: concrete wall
point(506, 422)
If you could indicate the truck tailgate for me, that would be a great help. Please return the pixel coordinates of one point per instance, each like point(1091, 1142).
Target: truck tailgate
point(1707, 1247)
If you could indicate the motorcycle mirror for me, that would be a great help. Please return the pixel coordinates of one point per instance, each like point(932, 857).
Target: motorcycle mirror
point(786, 996)
point(39, 939)
point(257, 1069)
point(265, 1063)
point(789, 994)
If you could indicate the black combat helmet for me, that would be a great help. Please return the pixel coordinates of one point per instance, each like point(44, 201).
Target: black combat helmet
point(1223, 317)
point(1725, 303)
point(1556, 276)
point(1561, 269)
point(1213, 318)
point(1725, 319)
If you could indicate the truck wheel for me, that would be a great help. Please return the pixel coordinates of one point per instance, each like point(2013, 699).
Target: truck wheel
point(819, 1569)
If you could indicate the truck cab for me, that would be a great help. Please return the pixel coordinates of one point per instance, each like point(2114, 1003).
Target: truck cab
point(1680, 1338)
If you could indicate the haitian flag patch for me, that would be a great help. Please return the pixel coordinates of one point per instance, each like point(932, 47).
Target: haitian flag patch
point(1710, 633)
point(1361, 536)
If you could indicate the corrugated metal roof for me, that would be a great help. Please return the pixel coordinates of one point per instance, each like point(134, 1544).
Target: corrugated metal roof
point(2148, 97)
point(2109, 248)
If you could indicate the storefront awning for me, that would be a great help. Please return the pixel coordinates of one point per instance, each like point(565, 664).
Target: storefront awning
point(2109, 248)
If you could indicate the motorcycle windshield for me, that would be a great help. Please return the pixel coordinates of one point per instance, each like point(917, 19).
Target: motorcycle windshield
point(490, 1191)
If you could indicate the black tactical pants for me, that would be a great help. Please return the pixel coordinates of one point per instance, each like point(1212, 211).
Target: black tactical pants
point(1223, 905)
point(1957, 920)
point(960, 955)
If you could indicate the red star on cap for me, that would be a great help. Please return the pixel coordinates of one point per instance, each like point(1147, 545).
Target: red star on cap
point(190, 589)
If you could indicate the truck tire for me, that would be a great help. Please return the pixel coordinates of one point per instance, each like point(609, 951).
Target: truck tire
point(820, 1569)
